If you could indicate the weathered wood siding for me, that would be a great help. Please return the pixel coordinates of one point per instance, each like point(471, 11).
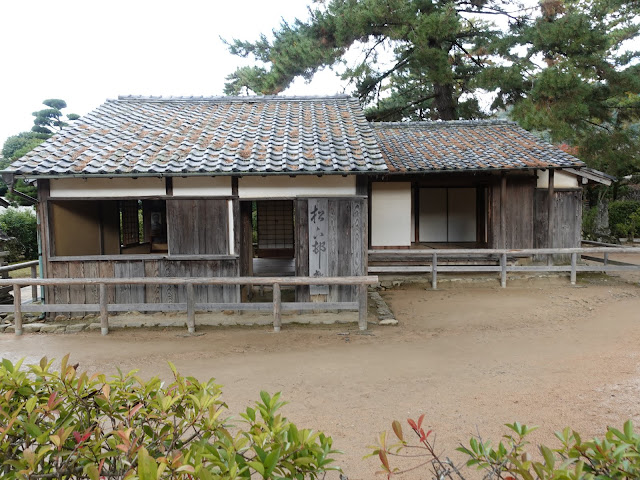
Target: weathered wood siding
point(519, 213)
point(198, 227)
point(567, 227)
point(151, 268)
point(347, 233)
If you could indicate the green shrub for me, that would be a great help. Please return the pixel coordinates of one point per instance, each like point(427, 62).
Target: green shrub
point(22, 225)
point(69, 425)
point(620, 213)
point(616, 456)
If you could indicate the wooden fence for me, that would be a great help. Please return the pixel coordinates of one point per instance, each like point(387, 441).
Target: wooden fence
point(104, 307)
point(501, 256)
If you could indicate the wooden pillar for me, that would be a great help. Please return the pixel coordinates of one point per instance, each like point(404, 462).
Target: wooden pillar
point(503, 211)
point(34, 287)
point(277, 302)
point(191, 309)
point(503, 270)
point(46, 241)
point(551, 213)
point(104, 312)
point(246, 247)
point(434, 271)
point(362, 306)
point(17, 309)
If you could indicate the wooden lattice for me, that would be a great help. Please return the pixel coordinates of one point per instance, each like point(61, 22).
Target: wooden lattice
point(130, 222)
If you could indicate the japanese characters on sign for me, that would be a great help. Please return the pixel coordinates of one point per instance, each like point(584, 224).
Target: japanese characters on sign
point(318, 243)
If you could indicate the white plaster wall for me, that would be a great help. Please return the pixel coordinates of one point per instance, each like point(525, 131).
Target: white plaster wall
point(299, 186)
point(390, 214)
point(107, 187)
point(201, 186)
point(462, 215)
point(432, 224)
point(560, 179)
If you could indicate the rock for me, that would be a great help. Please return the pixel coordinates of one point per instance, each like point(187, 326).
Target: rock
point(10, 329)
point(9, 318)
point(77, 319)
point(60, 318)
point(30, 318)
point(90, 318)
point(50, 328)
point(386, 284)
point(32, 327)
point(94, 326)
point(75, 328)
point(388, 321)
point(228, 312)
point(3, 327)
point(397, 283)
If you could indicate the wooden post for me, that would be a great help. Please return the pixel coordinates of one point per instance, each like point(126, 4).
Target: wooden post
point(503, 270)
point(34, 287)
point(503, 211)
point(17, 309)
point(434, 271)
point(277, 317)
point(362, 306)
point(104, 312)
point(551, 214)
point(191, 309)
point(574, 258)
point(606, 259)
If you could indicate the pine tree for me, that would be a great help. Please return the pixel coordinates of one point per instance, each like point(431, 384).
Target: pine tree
point(559, 67)
point(419, 58)
point(575, 79)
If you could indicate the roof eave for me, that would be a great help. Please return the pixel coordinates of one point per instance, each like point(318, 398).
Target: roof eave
point(318, 173)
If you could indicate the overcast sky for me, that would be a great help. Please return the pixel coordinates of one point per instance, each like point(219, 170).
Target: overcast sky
point(86, 51)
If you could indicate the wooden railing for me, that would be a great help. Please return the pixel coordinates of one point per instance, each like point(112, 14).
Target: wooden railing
point(501, 255)
point(19, 266)
point(277, 306)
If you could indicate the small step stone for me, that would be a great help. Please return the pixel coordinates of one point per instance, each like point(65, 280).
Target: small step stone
point(388, 321)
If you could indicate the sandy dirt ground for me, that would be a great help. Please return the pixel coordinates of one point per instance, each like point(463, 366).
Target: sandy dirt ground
point(472, 357)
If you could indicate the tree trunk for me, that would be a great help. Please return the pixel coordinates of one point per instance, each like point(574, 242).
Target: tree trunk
point(444, 102)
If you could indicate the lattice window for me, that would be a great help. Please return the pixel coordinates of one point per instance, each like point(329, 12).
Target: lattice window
point(275, 224)
point(130, 222)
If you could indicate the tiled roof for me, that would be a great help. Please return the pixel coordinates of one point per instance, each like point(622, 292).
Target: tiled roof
point(466, 145)
point(195, 135)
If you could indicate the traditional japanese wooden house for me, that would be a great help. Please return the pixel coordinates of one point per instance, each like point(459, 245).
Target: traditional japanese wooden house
point(195, 187)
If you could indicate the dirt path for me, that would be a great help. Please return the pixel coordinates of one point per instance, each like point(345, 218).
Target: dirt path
point(539, 352)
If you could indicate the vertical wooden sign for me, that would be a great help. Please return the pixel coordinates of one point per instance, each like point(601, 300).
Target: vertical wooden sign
point(318, 243)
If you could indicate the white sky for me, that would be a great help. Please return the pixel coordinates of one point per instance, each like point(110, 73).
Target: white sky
point(85, 51)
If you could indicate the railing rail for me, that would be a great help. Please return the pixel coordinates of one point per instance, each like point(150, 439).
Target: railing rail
point(190, 306)
point(502, 255)
point(19, 266)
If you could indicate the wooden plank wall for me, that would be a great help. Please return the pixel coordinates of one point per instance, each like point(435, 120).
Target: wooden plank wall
point(519, 213)
point(143, 268)
point(198, 227)
point(347, 220)
point(302, 247)
point(567, 228)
